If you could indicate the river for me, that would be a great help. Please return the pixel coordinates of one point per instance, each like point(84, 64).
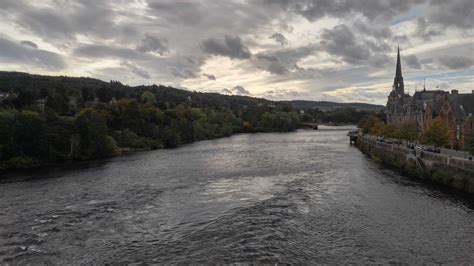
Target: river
point(300, 197)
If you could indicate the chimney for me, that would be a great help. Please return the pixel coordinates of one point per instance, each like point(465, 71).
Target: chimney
point(454, 91)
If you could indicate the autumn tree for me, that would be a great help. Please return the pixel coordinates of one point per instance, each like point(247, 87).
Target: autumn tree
point(407, 131)
point(437, 133)
point(368, 123)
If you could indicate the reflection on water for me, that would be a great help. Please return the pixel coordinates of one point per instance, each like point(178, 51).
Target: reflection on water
point(299, 197)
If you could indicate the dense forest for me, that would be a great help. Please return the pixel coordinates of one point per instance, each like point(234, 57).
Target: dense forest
point(46, 119)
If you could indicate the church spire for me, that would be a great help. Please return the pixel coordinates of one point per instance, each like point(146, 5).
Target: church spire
point(398, 72)
point(398, 80)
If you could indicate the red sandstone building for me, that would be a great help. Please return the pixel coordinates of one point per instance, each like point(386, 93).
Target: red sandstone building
point(456, 109)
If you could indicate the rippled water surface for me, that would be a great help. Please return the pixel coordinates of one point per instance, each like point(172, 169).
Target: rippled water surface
point(300, 197)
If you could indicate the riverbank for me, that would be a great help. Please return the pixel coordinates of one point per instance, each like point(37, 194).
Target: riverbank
point(449, 171)
point(22, 164)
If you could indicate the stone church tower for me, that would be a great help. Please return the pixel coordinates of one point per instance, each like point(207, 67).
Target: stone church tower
point(397, 99)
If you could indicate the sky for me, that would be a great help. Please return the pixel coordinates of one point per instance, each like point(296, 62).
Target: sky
point(336, 50)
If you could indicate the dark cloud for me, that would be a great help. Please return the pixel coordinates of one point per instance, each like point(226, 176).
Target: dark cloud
point(229, 46)
point(412, 61)
point(179, 12)
point(376, 31)
point(186, 67)
point(424, 31)
point(64, 20)
point(136, 70)
point(153, 44)
point(306, 73)
point(239, 90)
point(341, 42)
point(281, 62)
point(456, 62)
point(29, 44)
point(278, 37)
point(184, 73)
point(453, 13)
point(352, 46)
point(212, 18)
point(379, 60)
point(209, 76)
point(271, 64)
point(15, 53)
point(313, 10)
point(376, 46)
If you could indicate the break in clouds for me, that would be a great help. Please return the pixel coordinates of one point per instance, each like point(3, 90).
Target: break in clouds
point(322, 50)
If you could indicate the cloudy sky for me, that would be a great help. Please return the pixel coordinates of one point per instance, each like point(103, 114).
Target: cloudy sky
point(340, 50)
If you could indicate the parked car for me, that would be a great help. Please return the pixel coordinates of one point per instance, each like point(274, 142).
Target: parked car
point(434, 149)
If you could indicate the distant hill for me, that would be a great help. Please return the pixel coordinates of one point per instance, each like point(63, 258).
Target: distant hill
point(325, 105)
point(75, 86)
point(84, 89)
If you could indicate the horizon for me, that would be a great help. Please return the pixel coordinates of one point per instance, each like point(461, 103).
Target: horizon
point(313, 50)
point(154, 84)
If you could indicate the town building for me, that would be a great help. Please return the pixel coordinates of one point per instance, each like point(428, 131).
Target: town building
point(456, 109)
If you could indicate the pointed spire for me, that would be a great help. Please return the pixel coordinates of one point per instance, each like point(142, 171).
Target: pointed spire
point(398, 72)
point(398, 80)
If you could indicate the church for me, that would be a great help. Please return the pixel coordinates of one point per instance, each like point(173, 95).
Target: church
point(456, 109)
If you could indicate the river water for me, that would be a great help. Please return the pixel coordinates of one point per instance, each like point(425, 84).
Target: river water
point(301, 197)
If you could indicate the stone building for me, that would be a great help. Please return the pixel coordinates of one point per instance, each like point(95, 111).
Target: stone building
point(456, 109)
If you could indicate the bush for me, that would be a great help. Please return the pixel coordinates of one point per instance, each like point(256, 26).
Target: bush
point(18, 163)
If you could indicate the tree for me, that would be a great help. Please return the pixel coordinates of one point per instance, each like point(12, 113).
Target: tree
point(266, 120)
point(104, 94)
point(369, 123)
point(437, 133)
point(378, 129)
point(407, 131)
point(470, 147)
point(171, 137)
point(94, 139)
point(30, 134)
point(390, 131)
point(7, 133)
point(148, 98)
